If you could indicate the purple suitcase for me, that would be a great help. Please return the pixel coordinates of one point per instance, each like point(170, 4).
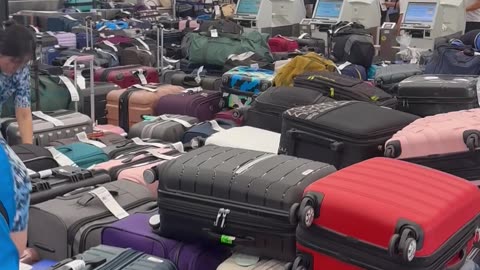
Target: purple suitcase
point(135, 232)
point(199, 104)
point(65, 39)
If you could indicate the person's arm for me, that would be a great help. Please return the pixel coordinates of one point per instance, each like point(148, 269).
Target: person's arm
point(20, 240)
point(474, 6)
point(23, 111)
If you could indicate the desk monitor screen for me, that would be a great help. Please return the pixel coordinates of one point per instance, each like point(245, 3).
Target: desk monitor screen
point(420, 12)
point(248, 7)
point(328, 9)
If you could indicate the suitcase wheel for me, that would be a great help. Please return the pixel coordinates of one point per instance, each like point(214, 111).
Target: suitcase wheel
point(293, 215)
point(471, 139)
point(306, 212)
point(298, 264)
point(150, 176)
point(404, 245)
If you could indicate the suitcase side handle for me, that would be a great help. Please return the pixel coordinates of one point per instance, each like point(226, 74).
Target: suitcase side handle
point(230, 240)
point(458, 265)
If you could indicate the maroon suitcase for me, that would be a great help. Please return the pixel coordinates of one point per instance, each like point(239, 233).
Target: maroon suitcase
point(202, 105)
point(127, 76)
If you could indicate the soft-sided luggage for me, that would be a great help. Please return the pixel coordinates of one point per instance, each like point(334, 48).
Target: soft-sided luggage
point(267, 109)
point(388, 77)
point(47, 185)
point(352, 70)
point(234, 197)
point(167, 128)
point(188, 24)
point(453, 60)
point(282, 44)
point(84, 155)
point(130, 147)
point(65, 39)
point(35, 158)
point(206, 129)
point(425, 95)
point(107, 257)
point(452, 139)
point(340, 133)
point(352, 43)
point(340, 87)
point(135, 232)
point(240, 84)
point(126, 76)
point(242, 137)
point(190, 80)
point(200, 104)
point(387, 214)
point(76, 219)
point(240, 261)
point(126, 107)
point(82, 5)
point(48, 127)
point(98, 138)
point(310, 44)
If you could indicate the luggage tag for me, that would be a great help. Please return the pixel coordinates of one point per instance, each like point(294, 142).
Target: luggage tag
point(112, 205)
point(69, 17)
point(193, 90)
point(216, 126)
point(155, 153)
point(82, 137)
point(198, 78)
point(139, 141)
point(254, 66)
point(143, 43)
point(138, 86)
point(71, 88)
point(218, 13)
point(35, 29)
point(111, 45)
point(60, 158)
point(109, 53)
point(214, 33)
point(302, 36)
point(48, 118)
point(142, 78)
point(180, 121)
point(245, 167)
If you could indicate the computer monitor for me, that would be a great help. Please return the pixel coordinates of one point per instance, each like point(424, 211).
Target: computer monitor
point(328, 9)
point(247, 7)
point(420, 12)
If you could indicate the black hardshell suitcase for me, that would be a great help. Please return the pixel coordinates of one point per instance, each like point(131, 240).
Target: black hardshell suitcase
point(35, 158)
point(267, 109)
point(101, 91)
point(235, 197)
point(340, 133)
point(340, 87)
point(207, 82)
point(106, 257)
point(61, 180)
point(426, 95)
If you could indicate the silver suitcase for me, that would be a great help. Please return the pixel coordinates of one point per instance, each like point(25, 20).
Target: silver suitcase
point(167, 128)
point(48, 127)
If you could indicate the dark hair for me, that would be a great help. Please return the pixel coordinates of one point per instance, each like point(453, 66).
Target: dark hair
point(16, 41)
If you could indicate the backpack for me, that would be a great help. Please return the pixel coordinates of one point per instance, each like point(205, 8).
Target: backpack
point(352, 43)
point(301, 64)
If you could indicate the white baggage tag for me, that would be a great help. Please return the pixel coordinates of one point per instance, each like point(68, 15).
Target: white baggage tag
point(143, 43)
point(109, 53)
point(344, 65)
point(302, 35)
point(102, 28)
point(193, 89)
point(214, 33)
point(82, 137)
point(81, 83)
point(158, 155)
point(60, 158)
point(216, 126)
point(178, 146)
point(48, 118)
point(180, 121)
point(112, 205)
point(241, 57)
point(70, 61)
point(145, 88)
point(218, 13)
point(69, 17)
point(31, 172)
point(139, 141)
point(35, 28)
point(111, 45)
point(71, 88)
point(198, 78)
point(254, 66)
point(45, 173)
point(111, 4)
point(102, 35)
point(142, 78)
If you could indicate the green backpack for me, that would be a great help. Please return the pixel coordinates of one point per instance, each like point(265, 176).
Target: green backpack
point(54, 95)
point(207, 50)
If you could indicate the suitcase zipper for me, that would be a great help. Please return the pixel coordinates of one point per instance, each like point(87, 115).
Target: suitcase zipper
point(121, 260)
point(75, 227)
point(235, 214)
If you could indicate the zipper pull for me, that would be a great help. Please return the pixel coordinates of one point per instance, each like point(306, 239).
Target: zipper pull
point(219, 215)
point(224, 217)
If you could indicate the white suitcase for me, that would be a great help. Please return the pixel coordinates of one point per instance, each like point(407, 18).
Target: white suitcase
point(246, 137)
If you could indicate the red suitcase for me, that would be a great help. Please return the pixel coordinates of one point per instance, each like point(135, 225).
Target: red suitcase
point(282, 44)
point(127, 76)
point(386, 214)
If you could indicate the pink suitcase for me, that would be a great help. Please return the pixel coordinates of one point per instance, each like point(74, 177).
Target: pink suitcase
point(447, 133)
point(189, 23)
point(65, 39)
point(135, 174)
point(111, 129)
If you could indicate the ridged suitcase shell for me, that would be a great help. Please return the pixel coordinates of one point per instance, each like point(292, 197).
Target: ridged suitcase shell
point(447, 133)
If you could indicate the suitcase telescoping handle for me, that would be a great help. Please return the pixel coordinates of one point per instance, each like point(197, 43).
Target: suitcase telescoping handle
point(335, 146)
point(91, 60)
point(228, 239)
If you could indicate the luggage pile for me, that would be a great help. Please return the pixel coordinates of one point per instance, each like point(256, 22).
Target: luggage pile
point(162, 143)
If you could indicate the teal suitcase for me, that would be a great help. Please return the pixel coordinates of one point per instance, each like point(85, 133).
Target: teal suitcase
point(81, 5)
point(83, 154)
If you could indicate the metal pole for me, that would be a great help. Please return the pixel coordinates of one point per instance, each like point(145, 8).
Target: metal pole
point(4, 10)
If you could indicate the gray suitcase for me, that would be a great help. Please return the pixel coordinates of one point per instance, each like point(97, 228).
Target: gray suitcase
point(45, 131)
point(169, 129)
point(236, 197)
point(388, 77)
point(70, 224)
point(107, 257)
